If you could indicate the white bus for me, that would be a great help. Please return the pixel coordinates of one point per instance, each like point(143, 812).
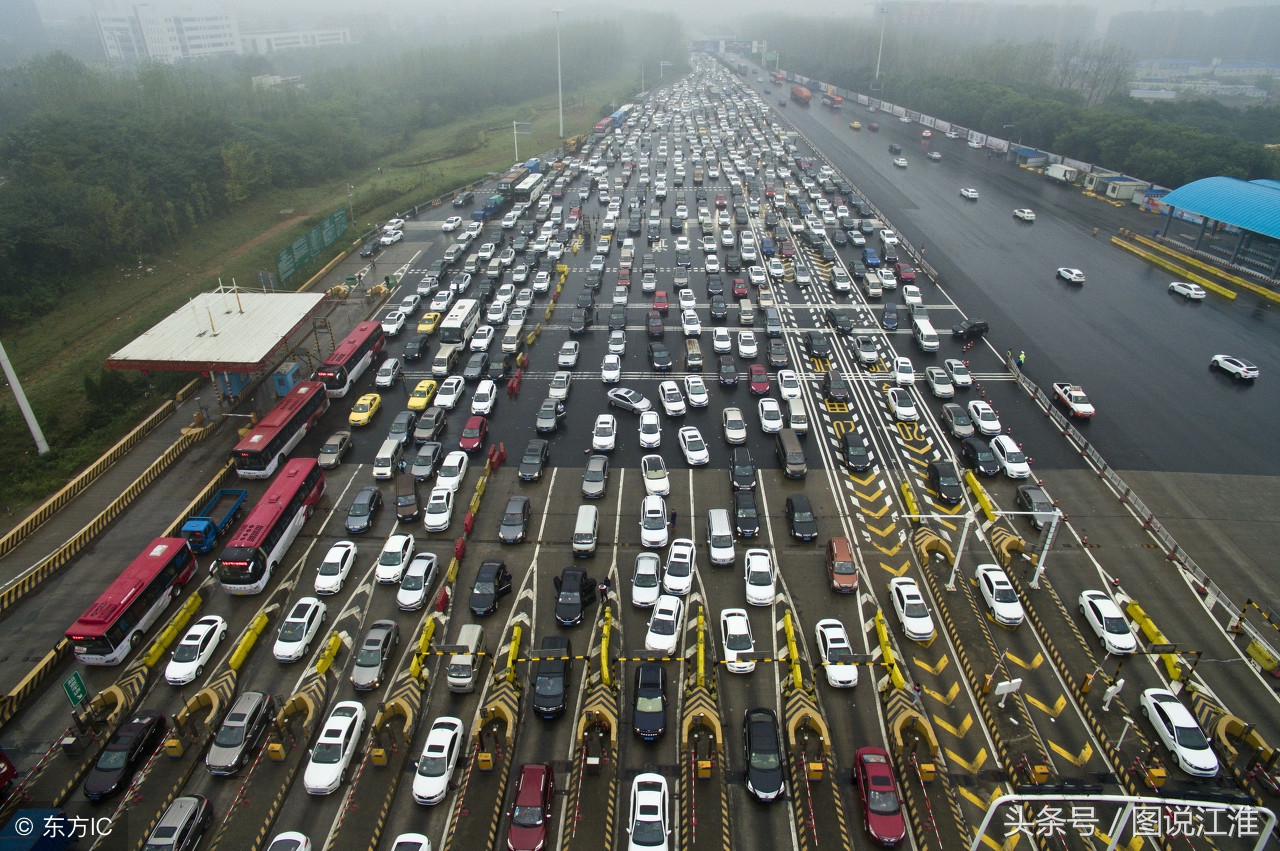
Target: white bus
point(460, 324)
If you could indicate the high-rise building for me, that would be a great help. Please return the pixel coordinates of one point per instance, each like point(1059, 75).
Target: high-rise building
point(166, 34)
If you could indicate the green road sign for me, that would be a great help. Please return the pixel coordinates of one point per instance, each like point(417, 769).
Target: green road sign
point(73, 687)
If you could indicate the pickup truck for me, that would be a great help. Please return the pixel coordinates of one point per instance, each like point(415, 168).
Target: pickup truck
point(1072, 395)
point(203, 528)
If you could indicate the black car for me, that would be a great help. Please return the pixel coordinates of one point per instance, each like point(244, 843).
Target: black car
point(649, 717)
point(890, 318)
point(683, 258)
point(970, 329)
point(371, 248)
point(719, 308)
point(839, 238)
point(659, 357)
point(715, 286)
point(778, 356)
point(817, 344)
point(430, 425)
point(581, 319)
point(500, 368)
point(945, 481)
point(586, 298)
point(854, 452)
point(1033, 498)
point(834, 387)
point(493, 582)
point(426, 460)
point(840, 321)
point(515, 520)
point(676, 224)
point(770, 219)
point(746, 516)
point(484, 291)
point(728, 371)
point(800, 515)
point(126, 750)
point(733, 262)
point(535, 457)
point(551, 676)
point(594, 280)
point(890, 255)
point(463, 198)
point(653, 325)
point(416, 348)
point(978, 455)
point(653, 234)
point(742, 470)
point(828, 252)
point(618, 318)
point(519, 244)
point(364, 509)
point(374, 654)
point(857, 270)
point(762, 748)
point(574, 592)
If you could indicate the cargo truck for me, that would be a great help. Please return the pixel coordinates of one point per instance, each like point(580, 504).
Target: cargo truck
point(1061, 173)
point(203, 528)
point(800, 94)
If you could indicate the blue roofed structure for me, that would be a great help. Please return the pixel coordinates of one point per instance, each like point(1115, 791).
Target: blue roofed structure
point(1251, 206)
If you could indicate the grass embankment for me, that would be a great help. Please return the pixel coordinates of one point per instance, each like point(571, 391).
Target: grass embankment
point(55, 354)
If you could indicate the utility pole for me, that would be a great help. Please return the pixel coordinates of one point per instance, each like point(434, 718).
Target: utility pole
point(42, 446)
point(559, 79)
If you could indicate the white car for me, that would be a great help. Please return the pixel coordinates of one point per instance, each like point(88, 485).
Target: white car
point(721, 341)
point(682, 243)
point(497, 312)
point(618, 342)
point(747, 348)
point(650, 430)
point(195, 650)
point(654, 472)
point(904, 373)
point(484, 397)
point(770, 416)
point(441, 302)
point(735, 427)
point(482, 339)
point(393, 323)
point(888, 237)
point(672, 399)
point(913, 612)
point(339, 740)
point(984, 417)
point(1179, 733)
point(959, 373)
point(804, 277)
point(438, 511)
point(911, 294)
point(654, 527)
point(788, 384)
point(694, 447)
point(1011, 458)
point(650, 826)
point(524, 296)
point(695, 389)
point(712, 262)
point(505, 293)
point(1025, 214)
point(709, 245)
point(1191, 292)
point(755, 274)
point(597, 263)
point(290, 840)
point(416, 582)
point(970, 193)
point(999, 594)
point(620, 296)
point(646, 578)
point(677, 574)
point(887, 279)
point(445, 741)
point(391, 237)
point(510, 220)
point(560, 385)
point(604, 435)
point(1074, 276)
point(687, 300)
point(336, 566)
point(487, 251)
point(690, 323)
point(299, 629)
point(760, 577)
point(555, 251)
point(409, 304)
point(541, 281)
point(395, 557)
point(453, 469)
point(663, 634)
point(1108, 623)
point(454, 222)
point(1237, 368)
point(900, 162)
point(737, 640)
point(611, 369)
point(776, 270)
point(449, 393)
point(902, 405)
point(836, 653)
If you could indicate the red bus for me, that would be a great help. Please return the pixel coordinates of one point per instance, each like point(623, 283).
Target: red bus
point(259, 545)
point(264, 448)
point(351, 358)
point(114, 625)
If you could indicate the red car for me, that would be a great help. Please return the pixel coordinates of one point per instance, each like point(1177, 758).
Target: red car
point(881, 807)
point(624, 277)
point(904, 273)
point(531, 810)
point(739, 288)
point(660, 302)
point(473, 434)
point(721, 201)
point(787, 250)
point(758, 379)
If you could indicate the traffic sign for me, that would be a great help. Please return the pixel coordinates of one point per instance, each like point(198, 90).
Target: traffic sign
point(73, 687)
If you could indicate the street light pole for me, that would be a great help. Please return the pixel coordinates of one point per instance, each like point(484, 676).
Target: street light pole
point(884, 16)
point(350, 211)
point(559, 79)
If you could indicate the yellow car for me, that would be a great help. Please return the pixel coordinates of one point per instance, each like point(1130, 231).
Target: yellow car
point(428, 323)
point(366, 406)
point(422, 395)
point(855, 125)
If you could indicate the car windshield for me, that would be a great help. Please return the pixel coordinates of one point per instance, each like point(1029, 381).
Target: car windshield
point(654, 521)
point(948, 478)
point(327, 753)
point(803, 516)
point(359, 509)
point(533, 459)
point(293, 630)
point(527, 816)
point(646, 580)
point(679, 567)
point(604, 429)
point(473, 431)
point(412, 582)
point(513, 518)
point(331, 447)
point(650, 703)
point(648, 833)
point(839, 655)
point(330, 568)
point(984, 455)
point(547, 686)
point(369, 657)
point(432, 766)
point(448, 471)
point(230, 736)
point(1004, 594)
point(113, 759)
point(1115, 626)
point(655, 473)
point(915, 609)
point(759, 577)
point(1015, 457)
point(765, 760)
point(1191, 738)
point(738, 642)
point(569, 598)
point(186, 652)
point(663, 626)
point(883, 803)
point(394, 557)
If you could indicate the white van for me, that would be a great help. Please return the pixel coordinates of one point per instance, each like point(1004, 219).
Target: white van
point(511, 339)
point(871, 284)
point(797, 417)
point(926, 337)
point(720, 536)
point(464, 665)
point(388, 459)
point(584, 531)
point(746, 312)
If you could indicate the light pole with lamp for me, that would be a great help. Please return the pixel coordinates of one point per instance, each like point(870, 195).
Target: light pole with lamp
point(661, 68)
point(559, 79)
point(884, 16)
point(350, 212)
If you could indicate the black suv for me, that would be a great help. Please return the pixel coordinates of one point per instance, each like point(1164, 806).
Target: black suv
point(970, 329)
point(574, 592)
point(945, 481)
point(493, 582)
point(742, 470)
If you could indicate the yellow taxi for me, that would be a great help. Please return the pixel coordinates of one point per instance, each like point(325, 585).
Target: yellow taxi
point(428, 323)
point(366, 406)
point(855, 125)
point(422, 395)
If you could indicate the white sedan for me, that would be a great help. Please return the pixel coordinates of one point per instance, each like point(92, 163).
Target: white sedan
point(453, 469)
point(450, 392)
point(646, 579)
point(984, 417)
point(335, 567)
point(694, 447)
point(904, 373)
point(913, 612)
point(654, 472)
point(445, 741)
point(416, 582)
point(482, 339)
point(393, 560)
point(735, 427)
point(999, 594)
point(605, 434)
point(611, 369)
point(1025, 214)
point(911, 294)
point(687, 299)
point(682, 243)
point(195, 650)
point(1179, 732)
point(939, 382)
point(900, 162)
point(561, 383)
point(393, 323)
point(650, 825)
point(339, 740)
point(747, 345)
point(712, 264)
point(690, 323)
point(663, 634)
point(836, 653)
point(391, 237)
point(902, 406)
point(737, 640)
point(453, 223)
point(970, 193)
point(650, 430)
point(788, 384)
point(677, 575)
point(438, 512)
point(299, 629)
point(959, 373)
point(1191, 292)
point(1108, 623)
point(756, 276)
point(770, 416)
point(654, 527)
point(760, 577)
point(1075, 276)
point(695, 389)
point(673, 404)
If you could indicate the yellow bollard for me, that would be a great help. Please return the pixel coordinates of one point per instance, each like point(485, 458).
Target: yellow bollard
point(173, 747)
